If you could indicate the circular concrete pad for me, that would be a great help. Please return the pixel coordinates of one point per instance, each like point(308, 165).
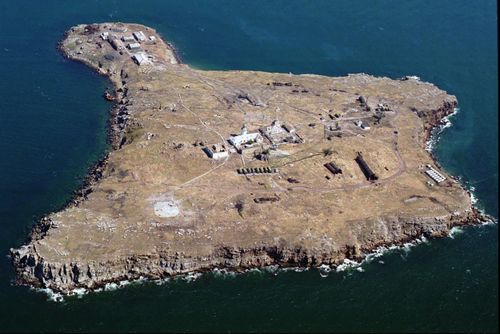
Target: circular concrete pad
point(166, 209)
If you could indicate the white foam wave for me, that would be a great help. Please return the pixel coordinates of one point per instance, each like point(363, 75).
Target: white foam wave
point(380, 252)
point(223, 272)
point(79, 292)
point(446, 122)
point(473, 197)
point(324, 270)
point(110, 287)
point(123, 283)
point(52, 295)
point(300, 269)
point(191, 277)
point(474, 200)
point(489, 222)
point(455, 230)
point(273, 269)
point(347, 264)
point(162, 281)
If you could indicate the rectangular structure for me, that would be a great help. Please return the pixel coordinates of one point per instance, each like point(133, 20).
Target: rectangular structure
point(245, 139)
point(128, 38)
point(435, 175)
point(116, 43)
point(369, 174)
point(333, 168)
point(216, 151)
point(134, 46)
point(139, 36)
point(141, 58)
point(256, 170)
point(119, 29)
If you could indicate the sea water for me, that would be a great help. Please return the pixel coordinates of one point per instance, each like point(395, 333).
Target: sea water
point(52, 128)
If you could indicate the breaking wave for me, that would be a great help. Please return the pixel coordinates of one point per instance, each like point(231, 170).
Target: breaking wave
point(51, 295)
point(455, 230)
point(473, 197)
point(474, 201)
point(191, 277)
point(446, 122)
point(351, 265)
point(324, 270)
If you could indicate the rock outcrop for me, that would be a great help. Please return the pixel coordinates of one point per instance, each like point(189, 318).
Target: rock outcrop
point(64, 277)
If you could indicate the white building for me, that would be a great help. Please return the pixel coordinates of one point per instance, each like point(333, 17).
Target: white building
point(141, 58)
point(134, 46)
point(139, 36)
point(128, 38)
point(245, 139)
point(435, 175)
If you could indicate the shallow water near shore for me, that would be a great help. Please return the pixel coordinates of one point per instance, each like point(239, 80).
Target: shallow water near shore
point(53, 122)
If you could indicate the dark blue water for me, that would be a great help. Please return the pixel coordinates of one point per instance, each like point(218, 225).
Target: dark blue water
point(52, 128)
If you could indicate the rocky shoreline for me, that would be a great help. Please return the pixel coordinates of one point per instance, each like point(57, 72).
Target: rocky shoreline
point(94, 173)
point(32, 269)
point(64, 278)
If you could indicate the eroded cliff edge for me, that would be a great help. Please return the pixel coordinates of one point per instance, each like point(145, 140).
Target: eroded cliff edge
point(158, 205)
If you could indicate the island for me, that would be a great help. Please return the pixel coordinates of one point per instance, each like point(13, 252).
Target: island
point(241, 169)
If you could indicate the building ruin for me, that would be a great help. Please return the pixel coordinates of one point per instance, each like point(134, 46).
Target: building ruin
point(216, 151)
point(279, 133)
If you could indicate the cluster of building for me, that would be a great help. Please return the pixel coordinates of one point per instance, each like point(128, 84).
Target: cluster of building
point(279, 133)
point(369, 174)
point(276, 134)
point(132, 42)
point(332, 130)
point(363, 103)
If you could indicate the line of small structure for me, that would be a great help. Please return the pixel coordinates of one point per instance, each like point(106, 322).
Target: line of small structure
point(256, 170)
